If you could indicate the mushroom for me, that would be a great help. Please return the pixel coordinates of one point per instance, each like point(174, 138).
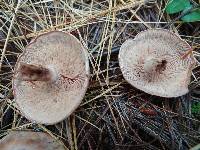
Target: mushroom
point(157, 62)
point(51, 77)
point(27, 140)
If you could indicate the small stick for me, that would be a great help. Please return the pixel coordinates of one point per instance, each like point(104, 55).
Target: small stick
point(189, 52)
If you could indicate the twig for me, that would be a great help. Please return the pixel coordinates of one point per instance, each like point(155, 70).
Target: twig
point(9, 32)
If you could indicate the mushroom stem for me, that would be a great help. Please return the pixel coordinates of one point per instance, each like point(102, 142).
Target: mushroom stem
point(154, 65)
point(28, 72)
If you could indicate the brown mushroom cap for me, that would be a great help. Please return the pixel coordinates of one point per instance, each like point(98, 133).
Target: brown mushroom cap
point(51, 102)
point(27, 140)
point(154, 62)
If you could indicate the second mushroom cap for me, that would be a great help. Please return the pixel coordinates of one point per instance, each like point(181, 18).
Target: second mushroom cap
point(158, 62)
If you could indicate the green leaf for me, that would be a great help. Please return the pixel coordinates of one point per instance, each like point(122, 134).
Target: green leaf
point(197, 147)
point(192, 17)
point(196, 108)
point(175, 6)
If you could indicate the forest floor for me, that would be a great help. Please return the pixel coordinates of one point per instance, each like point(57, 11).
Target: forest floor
point(113, 114)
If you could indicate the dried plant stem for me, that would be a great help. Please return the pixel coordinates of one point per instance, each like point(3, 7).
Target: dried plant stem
point(9, 32)
point(187, 53)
